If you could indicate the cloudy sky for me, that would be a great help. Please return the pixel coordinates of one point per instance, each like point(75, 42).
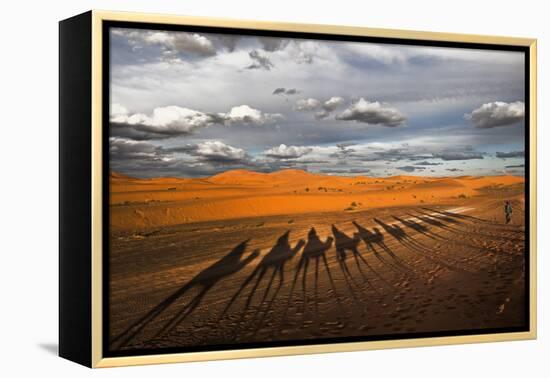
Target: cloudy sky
point(195, 104)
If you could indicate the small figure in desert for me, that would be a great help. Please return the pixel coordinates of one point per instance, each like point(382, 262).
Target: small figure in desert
point(508, 211)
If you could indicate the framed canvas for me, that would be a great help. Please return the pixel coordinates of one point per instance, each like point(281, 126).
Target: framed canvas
point(235, 189)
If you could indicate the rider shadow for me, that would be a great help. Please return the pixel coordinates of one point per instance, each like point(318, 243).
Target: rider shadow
point(375, 239)
point(275, 261)
point(314, 251)
point(204, 281)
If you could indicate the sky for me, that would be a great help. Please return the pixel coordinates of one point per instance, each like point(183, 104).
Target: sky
point(190, 104)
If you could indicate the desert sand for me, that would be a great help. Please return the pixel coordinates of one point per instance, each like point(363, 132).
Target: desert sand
point(141, 204)
point(246, 257)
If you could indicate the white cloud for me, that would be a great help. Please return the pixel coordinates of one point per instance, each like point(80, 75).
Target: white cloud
point(496, 114)
point(169, 120)
point(287, 152)
point(386, 54)
point(458, 155)
point(248, 115)
point(373, 113)
point(329, 106)
point(174, 120)
point(171, 42)
point(332, 103)
point(219, 151)
point(118, 110)
point(307, 104)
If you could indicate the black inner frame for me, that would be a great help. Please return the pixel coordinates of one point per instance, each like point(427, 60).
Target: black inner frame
point(106, 25)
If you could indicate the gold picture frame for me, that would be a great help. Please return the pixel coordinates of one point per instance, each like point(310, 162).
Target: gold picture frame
point(94, 265)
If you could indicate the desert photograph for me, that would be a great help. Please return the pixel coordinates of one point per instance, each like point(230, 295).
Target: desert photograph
point(272, 190)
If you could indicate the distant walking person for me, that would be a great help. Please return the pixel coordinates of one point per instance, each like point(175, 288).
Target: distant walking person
point(508, 211)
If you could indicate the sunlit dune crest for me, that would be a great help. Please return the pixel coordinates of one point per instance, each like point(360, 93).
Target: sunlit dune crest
point(139, 203)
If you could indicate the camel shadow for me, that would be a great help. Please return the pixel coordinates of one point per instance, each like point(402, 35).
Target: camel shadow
point(204, 281)
point(275, 261)
point(343, 243)
point(374, 240)
point(314, 251)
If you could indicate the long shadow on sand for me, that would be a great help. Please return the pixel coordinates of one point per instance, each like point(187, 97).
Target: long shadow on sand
point(314, 251)
point(205, 280)
point(374, 240)
point(415, 246)
point(419, 227)
point(275, 261)
point(443, 219)
point(465, 217)
point(433, 220)
point(343, 244)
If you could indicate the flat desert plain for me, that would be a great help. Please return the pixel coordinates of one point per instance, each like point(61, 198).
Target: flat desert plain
point(245, 257)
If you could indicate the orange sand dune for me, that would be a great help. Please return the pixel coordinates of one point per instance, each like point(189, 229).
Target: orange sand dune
point(143, 203)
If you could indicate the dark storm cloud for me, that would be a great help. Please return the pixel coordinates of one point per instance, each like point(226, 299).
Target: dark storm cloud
point(453, 169)
point(392, 155)
point(210, 151)
point(422, 95)
point(450, 156)
point(411, 168)
point(175, 167)
point(427, 163)
point(272, 44)
point(345, 145)
point(497, 114)
point(515, 166)
point(259, 61)
point(510, 154)
point(373, 113)
point(285, 91)
point(144, 159)
point(125, 149)
point(134, 132)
